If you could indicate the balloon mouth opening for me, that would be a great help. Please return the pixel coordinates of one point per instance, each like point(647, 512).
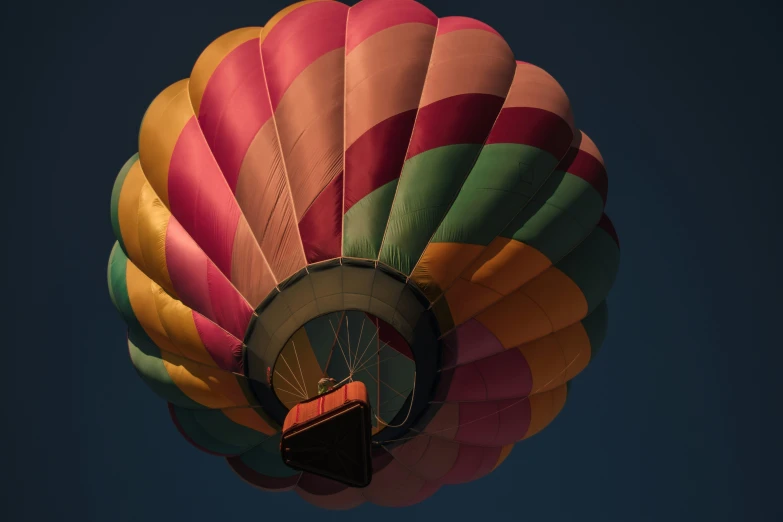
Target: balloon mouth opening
point(346, 319)
point(346, 346)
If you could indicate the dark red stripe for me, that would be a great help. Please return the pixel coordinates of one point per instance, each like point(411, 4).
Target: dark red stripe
point(389, 335)
point(584, 165)
point(535, 127)
point(607, 226)
point(321, 227)
point(261, 481)
point(465, 118)
point(376, 158)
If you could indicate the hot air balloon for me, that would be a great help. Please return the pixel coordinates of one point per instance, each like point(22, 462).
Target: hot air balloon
point(364, 224)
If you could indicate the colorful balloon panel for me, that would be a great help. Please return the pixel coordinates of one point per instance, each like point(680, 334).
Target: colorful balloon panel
point(363, 192)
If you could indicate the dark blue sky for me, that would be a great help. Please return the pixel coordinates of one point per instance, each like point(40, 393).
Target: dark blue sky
point(676, 418)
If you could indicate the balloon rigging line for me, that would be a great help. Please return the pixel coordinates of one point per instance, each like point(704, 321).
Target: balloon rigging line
point(359, 342)
point(337, 338)
point(352, 368)
point(410, 408)
point(369, 363)
point(297, 395)
point(361, 357)
point(348, 332)
point(393, 398)
point(293, 375)
point(290, 384)
point(300, 367)
point(334, 342)
point(362, 365)
point(359, 364)
point(261, 408)
point(519, 401)
point(387, 385)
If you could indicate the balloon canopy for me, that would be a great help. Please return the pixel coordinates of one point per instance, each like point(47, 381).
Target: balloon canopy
point(366, 193)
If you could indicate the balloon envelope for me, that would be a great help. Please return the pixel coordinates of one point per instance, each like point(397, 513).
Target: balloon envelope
point(369, 193)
